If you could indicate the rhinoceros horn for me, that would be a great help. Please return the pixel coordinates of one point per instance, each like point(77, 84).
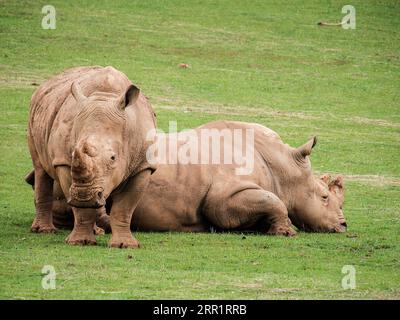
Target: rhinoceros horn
point(305, 149)
point(82, 163)
point(77, 92)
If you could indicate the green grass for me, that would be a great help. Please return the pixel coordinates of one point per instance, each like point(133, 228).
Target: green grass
point(264, 61)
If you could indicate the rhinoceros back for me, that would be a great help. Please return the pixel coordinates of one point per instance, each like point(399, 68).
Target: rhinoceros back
point(53, 109)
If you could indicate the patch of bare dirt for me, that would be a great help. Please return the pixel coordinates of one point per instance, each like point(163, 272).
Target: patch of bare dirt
point(249, 285)
point(20, 79)
point(376, 122)
point(239, 111)
point(374, 180)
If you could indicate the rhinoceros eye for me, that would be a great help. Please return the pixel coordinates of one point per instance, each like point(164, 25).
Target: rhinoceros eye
point(113, 158)
point(325, 197)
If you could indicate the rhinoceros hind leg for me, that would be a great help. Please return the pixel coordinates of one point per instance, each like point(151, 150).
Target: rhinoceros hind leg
point(244, 208)
point(84, 222)
point(43, 222)
point(103, 221)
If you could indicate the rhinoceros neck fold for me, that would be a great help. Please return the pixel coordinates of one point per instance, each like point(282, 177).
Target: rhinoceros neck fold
point(282, 175)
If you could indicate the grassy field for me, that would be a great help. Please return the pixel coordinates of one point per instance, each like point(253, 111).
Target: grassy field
point(261, 61)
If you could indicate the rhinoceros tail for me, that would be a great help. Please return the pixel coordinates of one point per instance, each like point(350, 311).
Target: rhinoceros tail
point(30, 178)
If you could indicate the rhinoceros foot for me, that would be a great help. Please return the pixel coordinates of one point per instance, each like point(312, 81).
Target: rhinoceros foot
point(281, 231)
point(79, 239)
point(41, 227)
point(123, 242)
point(98, 231)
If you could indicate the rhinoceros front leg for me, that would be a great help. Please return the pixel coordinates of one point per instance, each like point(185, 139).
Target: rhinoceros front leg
point(43, 222)
point(84, 223)
point(124, 204)
point(244, 207)
point(84, 218)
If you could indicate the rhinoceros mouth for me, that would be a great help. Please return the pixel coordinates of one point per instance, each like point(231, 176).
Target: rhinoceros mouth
point(86, 196)
point(82, 184)
point(83, 193)
point(341, 228)
point(86, 204)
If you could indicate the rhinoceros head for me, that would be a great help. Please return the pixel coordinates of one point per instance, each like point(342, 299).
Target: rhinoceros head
point(104, 137)
point(318, 201)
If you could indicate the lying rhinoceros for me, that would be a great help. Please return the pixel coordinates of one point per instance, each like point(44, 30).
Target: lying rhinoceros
point(87, 132)
point(280, 189)
point(196, 197)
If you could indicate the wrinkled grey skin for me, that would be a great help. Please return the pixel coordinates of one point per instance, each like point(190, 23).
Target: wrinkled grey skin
point(280, 190)
point(87, 133)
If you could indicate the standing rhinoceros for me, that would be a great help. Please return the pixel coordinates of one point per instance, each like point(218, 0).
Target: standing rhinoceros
point(195, 197)
point(87, 132)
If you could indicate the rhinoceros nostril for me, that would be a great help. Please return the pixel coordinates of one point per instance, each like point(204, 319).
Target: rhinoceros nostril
point(343, 224)
point(100, 194)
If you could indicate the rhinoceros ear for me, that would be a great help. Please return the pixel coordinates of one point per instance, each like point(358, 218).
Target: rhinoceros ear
point(77, 92)
point(326, 178)
point(305, 149)
point(339, 181)
point(130, 97)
